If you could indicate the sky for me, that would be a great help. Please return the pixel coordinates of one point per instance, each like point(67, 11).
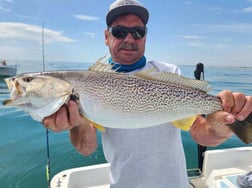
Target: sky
point(214, 32)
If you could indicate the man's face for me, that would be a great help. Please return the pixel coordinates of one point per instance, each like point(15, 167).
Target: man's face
point(126, 50)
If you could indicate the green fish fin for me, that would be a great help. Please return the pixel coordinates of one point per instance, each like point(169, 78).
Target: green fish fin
point(167, 77)
point(243, 129)
point(186, 123)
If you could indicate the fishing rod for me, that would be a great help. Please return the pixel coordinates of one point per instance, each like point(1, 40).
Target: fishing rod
point(199, 75)
point(48, 166)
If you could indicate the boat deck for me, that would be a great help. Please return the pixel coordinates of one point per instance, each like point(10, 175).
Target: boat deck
point(220, 170)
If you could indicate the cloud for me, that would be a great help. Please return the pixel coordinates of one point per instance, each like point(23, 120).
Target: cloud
point(192, 40)
point(220, 46)
point(85, 17)
point(190, 37)
point(215, 8)
point(92, 35)
point(234, 28)
point(2, 9)
point(248, 9)
point(21, 32)
point(29, 17)
point(9, 1)
point(188, 3)
point(195, 44)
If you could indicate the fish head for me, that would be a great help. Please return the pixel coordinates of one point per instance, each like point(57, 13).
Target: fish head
point(39, 95)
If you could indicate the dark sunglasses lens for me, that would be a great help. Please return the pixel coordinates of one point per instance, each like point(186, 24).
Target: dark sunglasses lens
point(138, 32)
point(121, 32)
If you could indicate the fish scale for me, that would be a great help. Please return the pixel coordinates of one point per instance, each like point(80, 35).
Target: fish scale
point(122, 94)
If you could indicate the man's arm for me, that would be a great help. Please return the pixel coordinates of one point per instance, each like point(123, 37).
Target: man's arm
point(82, 133)
point(212, 130)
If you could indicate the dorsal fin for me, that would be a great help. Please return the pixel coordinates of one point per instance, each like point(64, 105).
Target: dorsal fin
point(154, 74)
point(176, 79)
point(102, 66)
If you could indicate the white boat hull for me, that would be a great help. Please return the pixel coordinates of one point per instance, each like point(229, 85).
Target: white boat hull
point(220, 170)
point(95, 176)
point(7, 70)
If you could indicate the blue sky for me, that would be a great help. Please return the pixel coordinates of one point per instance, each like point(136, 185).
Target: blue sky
point(215, 32)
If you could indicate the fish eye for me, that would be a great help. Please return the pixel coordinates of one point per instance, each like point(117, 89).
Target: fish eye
point(27, 79)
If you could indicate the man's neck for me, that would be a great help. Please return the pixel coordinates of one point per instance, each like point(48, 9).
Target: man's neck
point(127, 68)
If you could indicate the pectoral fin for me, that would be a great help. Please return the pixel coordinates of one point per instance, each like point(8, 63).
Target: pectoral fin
point(97, 126)
point(184, 124)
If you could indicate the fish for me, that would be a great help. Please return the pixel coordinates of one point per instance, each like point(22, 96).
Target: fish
point(119, 100)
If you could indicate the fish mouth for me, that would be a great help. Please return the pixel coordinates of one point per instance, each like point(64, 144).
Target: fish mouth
point(15, 101)
point(15, 87)
point(8, 102)
point(16, 91)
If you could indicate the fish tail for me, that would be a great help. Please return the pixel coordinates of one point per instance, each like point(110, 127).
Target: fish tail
point(243, 129)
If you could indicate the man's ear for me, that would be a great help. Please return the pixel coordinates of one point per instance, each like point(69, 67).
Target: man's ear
point(106, 34)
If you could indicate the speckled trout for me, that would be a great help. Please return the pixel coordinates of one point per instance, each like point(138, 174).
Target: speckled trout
point(119, 100)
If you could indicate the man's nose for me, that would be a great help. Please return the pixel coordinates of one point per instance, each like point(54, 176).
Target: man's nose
point(129, 38)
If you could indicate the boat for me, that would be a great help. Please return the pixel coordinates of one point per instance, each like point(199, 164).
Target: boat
point(7, 70)
point(221, 168)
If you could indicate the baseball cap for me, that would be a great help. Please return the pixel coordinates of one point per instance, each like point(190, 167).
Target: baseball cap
point(121, 7)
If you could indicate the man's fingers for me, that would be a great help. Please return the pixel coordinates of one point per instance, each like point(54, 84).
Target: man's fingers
point(49, 121)
point(217, 123)
point(236, 103)
point(220, 118)
point(62, 122)
point(65, 118)
point(227, 100)
point(58, 121)
point(239, 102)
point(74, 115)
point(246, 110)
point(73, 111)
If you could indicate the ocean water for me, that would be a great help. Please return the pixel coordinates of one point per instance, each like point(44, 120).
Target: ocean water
point(23, 156)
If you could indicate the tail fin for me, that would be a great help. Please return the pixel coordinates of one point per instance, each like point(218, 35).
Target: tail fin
point(243, 129)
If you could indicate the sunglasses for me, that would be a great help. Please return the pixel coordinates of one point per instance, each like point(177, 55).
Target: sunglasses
point(121, 32)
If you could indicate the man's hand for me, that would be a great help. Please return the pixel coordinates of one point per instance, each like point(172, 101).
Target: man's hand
point(65, 118)
point(237, 104)
point(82, 133)
point(212, 131)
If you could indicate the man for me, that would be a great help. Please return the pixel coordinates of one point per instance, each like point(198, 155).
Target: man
point(148, 157)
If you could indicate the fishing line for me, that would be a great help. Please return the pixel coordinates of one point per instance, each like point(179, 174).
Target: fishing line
point(48, 163)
